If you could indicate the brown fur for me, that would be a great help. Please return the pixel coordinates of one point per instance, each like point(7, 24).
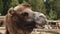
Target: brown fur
point(16, 23)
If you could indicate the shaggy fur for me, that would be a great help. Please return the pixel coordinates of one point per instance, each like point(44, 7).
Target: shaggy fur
point(19, 20)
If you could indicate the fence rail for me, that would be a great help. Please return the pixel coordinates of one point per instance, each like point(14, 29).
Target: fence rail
point(35, 31)
point(46, 30)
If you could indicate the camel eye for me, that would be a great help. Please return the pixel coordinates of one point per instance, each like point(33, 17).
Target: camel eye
point(25, 14)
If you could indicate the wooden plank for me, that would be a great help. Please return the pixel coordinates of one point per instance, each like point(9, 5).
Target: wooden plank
point(47, 30)
point(2, 28)
point(57, 21)
point(2, 31)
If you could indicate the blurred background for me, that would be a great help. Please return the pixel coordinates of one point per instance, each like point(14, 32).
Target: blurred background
point(51, 8)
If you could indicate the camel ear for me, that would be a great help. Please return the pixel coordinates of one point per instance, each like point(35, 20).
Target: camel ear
point(11, 10)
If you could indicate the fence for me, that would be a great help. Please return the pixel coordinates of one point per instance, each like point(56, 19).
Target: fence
point(36, 31)
point(56, 30)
